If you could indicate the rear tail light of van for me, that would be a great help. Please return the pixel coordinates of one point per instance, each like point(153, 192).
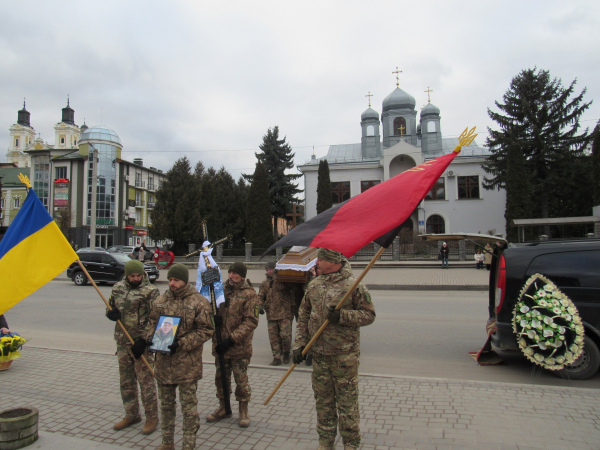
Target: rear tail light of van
point(500, 284)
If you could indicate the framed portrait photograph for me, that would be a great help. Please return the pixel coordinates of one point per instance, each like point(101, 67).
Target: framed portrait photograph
point(164, 334)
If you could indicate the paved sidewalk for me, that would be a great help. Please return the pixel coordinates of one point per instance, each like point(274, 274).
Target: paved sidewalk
point(401, 278)
point(78, 397)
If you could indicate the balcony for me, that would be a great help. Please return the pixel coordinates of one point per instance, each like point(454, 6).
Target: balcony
point(151, 205)
point(139, 204)
point(140, 184)
point(151, 186)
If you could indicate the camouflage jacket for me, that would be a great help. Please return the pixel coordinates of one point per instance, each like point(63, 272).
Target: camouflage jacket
point(135, 305)
point(357, 311)
point(194, 329)
point(277, 298)
point(240, 318)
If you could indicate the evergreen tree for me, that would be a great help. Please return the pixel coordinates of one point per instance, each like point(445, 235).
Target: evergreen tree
point(596, 166)
point(518, 192)
point(174, 216)
point(277, 157)
point(324, 201)
point(541, 118)
point(258, 211)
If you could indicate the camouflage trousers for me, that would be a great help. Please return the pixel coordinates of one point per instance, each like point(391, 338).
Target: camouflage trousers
point(335, 385)
point(133, 372)
point(189, 403)
point(280, 336)
point(239, 367)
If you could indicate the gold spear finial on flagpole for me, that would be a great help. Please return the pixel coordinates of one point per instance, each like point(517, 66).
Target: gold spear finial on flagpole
point(23, 179)
point(465, 139)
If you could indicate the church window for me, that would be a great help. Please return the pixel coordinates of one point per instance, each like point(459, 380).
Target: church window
point(436, 224)
point(438, 192)
point(60, 173)
point(17, 142)
point(468, 187)
point(399, 126)
point(370, 130)
point(62, 140)
point(340, 191)
point(364, 185)
point(431, 127)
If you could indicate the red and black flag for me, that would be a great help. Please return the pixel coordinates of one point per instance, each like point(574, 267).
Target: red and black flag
point(376, 214)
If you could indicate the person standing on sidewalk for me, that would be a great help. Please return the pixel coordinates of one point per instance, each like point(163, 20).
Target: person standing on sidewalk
point(276, 299)
point(336, 352)
point(444, 253)
point(131, 301)
point(182, 366)
point(237, 318)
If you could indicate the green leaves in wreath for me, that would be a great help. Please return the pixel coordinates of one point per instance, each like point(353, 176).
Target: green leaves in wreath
point(547, 324)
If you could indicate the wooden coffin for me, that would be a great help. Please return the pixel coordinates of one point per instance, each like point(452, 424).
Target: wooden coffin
point(299, 260)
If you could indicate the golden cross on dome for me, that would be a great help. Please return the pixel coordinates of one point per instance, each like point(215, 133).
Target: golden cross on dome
point(397, 78)
point(401, 128)
point(369, 95)
point(428, 94)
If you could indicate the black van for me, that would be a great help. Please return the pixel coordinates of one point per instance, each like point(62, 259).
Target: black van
point(574, 266)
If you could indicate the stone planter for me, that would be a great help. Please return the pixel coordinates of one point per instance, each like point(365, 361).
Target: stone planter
point(18, 427)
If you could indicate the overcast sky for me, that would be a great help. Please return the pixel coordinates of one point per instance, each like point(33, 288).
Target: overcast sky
point(175, 78)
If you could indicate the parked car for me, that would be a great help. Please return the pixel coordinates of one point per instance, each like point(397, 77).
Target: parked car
point(89, 249)
point(574, 266)
point(104, 267)
point(127, 249)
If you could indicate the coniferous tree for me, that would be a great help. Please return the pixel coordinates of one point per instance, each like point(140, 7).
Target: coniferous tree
point(518, 191)
point(174, 216)
point(596, 166)
point(324, 201)
point(258, 212)
point(277, 157)
point(541, 117)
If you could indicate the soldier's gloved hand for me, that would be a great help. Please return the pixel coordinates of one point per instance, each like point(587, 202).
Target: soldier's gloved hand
point(297, 355)
point(114, 314)
point(218, 320)
point(333, 315)
point(138, 347)
point(173, 347)
point(261, 310)
point(224, 346)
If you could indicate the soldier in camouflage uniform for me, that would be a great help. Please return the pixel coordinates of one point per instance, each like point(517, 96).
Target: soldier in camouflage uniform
point(131, 301)
point(182, 366)
point(336, 351)
point(238, 317)
point(276, 297)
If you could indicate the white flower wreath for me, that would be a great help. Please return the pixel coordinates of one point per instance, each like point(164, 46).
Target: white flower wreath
point(547, 324)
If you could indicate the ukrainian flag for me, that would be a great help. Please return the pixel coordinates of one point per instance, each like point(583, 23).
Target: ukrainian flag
point(32, 252)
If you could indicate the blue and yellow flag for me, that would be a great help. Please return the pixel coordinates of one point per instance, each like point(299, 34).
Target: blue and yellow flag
point(32, 252)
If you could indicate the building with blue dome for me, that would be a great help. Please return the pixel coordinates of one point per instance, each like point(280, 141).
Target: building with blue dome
point(61, 175)
point(457, 203)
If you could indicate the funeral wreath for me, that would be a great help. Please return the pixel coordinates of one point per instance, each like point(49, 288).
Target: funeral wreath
point(547, 325)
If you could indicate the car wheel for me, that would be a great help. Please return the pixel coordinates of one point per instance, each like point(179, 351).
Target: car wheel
point(80, 279)
point(585, 366)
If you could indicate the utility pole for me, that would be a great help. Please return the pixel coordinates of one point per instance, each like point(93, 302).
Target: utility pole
point(93, 212)
point(2, 217)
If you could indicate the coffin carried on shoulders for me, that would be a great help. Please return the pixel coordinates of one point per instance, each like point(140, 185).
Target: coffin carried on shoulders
point(295, 264)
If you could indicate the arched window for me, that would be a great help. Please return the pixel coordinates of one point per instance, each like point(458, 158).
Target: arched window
point(436, 224)
point(370, 130)
point(431, 127)
point(399, 126)
point(16, 142)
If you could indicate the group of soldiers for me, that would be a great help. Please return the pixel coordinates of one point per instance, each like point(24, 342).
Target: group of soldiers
point(139, 306)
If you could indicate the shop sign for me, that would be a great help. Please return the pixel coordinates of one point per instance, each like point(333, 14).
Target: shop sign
point(141, 232)
point(61, 193)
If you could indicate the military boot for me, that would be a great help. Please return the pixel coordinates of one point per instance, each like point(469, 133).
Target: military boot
point(286, 357)
point(170, 446)
point(127, 422)
point(219, 413)
point(244, 420)
point(276, 362)
point(150, 426)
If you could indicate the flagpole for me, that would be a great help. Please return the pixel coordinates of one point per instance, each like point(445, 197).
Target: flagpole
point(320, 330)
point(110, 307)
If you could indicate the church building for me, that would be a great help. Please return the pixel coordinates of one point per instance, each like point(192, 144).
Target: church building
point(397, 142)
